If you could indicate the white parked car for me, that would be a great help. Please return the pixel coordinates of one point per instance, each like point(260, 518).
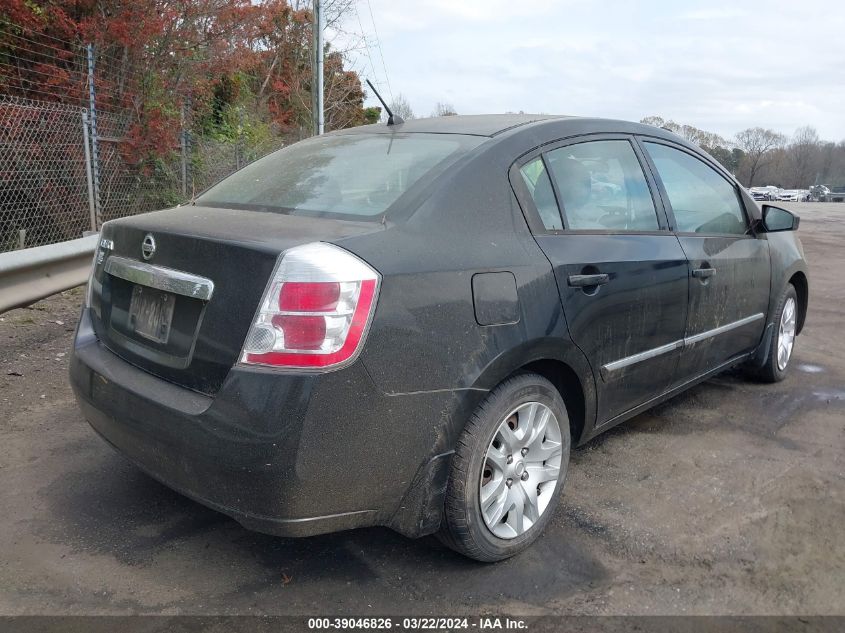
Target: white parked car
point(767, 193)
point(794, 195)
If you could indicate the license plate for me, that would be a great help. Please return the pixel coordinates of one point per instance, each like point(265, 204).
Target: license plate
point(150, 313)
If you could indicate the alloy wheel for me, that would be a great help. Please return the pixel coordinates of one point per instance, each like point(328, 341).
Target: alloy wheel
point(521, 470)
point(786, 333)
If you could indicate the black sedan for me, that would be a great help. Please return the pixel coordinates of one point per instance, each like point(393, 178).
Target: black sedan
point(411, 325)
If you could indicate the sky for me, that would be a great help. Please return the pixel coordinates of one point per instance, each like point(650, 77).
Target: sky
point(716, 65)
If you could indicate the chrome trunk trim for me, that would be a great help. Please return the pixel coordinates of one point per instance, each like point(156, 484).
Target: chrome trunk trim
point(160, 278)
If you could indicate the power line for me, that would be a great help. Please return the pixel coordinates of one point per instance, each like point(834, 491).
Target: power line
point(366, 42)
point(31, 30)
point(380, 51)
point(29, 91)
point(71, 55)
point(63, 85)
point(37, 72)
point(107, 75)
point(74, 58)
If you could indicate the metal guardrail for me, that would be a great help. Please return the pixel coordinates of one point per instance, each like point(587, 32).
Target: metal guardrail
point(29, 275)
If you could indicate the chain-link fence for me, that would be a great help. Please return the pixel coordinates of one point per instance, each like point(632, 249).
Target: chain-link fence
point(54, 186)
point(43, 184)
point(213, 159)
point(125, 189)
point(68, 144)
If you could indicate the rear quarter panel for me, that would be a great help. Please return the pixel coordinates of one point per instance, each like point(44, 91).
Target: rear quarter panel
point(425, 335)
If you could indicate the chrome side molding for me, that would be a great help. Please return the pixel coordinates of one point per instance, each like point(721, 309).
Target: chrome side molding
point(160, 278)
point(687, 341)
point(695, 338)
point(649, 353)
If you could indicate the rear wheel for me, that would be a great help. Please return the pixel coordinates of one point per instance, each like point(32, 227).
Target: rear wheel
point(786, 329)
point(509, 466)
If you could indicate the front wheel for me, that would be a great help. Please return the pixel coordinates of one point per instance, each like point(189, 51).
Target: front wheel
point(786, 329)
point(509, 467)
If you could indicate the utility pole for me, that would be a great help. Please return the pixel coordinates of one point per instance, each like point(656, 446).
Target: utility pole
point(317, 66)
point(183, 142)
point(95, 149)
point(89, 178)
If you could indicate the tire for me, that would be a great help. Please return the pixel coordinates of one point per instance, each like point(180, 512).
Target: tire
point(495, 431)
point(775, 367)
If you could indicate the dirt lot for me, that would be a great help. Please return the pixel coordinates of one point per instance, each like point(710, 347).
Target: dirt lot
point(727, 500)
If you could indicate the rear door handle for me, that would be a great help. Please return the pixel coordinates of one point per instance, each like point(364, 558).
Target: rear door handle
point(582, 281)
point(703, 273)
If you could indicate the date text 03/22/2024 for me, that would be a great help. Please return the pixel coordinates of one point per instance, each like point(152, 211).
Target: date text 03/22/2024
point(419, 624)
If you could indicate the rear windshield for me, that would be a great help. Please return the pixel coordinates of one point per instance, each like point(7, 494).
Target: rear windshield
point(357, 176)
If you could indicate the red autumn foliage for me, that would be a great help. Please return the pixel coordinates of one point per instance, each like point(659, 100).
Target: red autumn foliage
point(152, 56)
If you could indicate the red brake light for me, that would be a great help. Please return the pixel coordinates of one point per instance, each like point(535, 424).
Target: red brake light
point(301, 332)
point(316, 310)
point(297, 296)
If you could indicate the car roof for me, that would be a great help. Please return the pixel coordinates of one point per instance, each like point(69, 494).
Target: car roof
point(492, 125)
point(470, 124)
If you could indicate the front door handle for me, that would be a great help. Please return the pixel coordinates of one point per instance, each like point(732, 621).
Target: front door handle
point(583, 281)
point(703, 273)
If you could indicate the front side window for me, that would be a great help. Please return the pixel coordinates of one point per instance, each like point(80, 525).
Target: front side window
point(357, 175)
point(602, 187)
point(540, 187)
point(702, 200)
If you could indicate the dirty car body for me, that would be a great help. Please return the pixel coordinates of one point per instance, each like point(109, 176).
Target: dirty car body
point(476, 271)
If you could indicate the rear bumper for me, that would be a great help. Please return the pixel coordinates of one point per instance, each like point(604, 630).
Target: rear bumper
point(286, 454)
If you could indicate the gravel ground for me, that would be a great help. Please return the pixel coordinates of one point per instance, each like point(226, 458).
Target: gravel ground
point(726, 500)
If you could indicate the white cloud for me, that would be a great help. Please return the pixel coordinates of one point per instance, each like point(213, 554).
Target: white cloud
point(714, 13)
point(705, 65)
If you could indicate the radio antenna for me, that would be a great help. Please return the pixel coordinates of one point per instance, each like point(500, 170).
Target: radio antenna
point(392, 119)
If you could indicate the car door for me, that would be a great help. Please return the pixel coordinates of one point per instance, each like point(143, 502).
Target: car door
point(730, 273)
point(621, 273)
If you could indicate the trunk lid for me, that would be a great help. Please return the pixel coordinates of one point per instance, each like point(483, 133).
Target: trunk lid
point(156, 313)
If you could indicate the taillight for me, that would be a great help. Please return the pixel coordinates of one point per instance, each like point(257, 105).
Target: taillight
point(104, 246)
point(316, 310)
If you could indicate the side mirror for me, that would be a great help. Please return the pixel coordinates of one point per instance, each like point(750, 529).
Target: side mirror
point(776, 219)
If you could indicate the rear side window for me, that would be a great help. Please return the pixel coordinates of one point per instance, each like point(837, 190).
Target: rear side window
point(601, 186)
point(540, 187)
point(702, 200)
point(358, 176)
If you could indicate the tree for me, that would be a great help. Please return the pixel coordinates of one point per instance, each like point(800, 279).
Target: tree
point(702, 138)
point(653, 120)
point(281, 58)
point(712, 143)
point(344, 95)
point(233, 61)
point(729, 158)
point(758, 144)
point(836, 175)
point(758, 154)
point(372, 114)
point(401, 108)
point(444, 109)
point(804, 157)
